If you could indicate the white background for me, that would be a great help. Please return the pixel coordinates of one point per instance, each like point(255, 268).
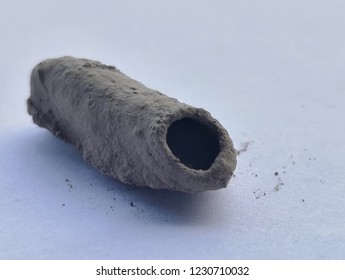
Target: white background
point(272, 72)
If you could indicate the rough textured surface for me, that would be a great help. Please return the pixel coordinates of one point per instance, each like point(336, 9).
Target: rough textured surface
point(128, 131)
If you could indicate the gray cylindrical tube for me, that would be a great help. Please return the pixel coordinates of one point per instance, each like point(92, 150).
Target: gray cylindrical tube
point(128, 131)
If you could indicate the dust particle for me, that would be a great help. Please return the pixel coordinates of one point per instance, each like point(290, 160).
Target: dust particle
point(69, 183)
point(244, 147)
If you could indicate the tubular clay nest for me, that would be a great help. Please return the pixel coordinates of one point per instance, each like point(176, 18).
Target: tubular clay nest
point(128, 131)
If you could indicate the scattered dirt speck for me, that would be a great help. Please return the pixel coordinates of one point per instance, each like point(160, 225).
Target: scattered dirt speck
point(244, 147)
point(69, 183)
point(259, 193)
point(278, 185)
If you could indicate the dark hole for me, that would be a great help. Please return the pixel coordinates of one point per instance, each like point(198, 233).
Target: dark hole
point(195, 144)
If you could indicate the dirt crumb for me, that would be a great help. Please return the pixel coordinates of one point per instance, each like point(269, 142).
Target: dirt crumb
point(69, 183)
point(278, 185)
point(259, 193)
point(244, 147)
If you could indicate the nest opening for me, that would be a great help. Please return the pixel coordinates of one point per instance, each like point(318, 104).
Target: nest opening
point(194, 143)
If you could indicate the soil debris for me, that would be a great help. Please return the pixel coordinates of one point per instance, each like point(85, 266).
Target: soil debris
point(244, 147)
point(278, 185)
point(69, 183)
point(259, 193)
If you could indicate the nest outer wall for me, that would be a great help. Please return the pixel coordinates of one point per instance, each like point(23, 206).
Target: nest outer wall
point(129, 131)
